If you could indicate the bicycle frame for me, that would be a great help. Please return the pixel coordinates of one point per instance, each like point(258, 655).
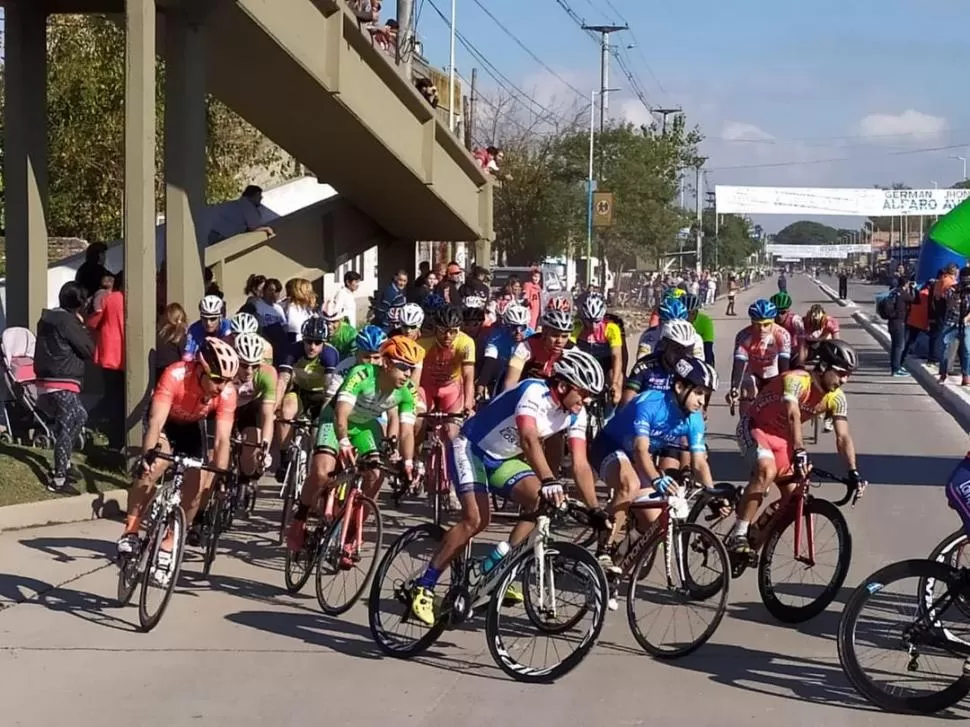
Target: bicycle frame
point(295, 453)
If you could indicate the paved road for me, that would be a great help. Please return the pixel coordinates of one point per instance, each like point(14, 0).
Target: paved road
point(238, 650)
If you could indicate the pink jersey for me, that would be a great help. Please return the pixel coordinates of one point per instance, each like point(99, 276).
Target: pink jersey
point(793, 323)
point(828, 327)
point(762, 351)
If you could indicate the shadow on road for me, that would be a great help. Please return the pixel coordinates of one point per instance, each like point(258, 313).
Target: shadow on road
point(316, 629)
point(57, 548)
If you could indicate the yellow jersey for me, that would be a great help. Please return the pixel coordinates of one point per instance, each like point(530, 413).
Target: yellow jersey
point(444, 365)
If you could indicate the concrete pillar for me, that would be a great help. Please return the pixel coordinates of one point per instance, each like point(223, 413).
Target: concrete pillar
point(394, 255)
point(25, 161)
point(139, 210)
point(483, 253)
point(185, 137)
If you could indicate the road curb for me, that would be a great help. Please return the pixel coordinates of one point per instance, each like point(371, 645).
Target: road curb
point(110, 504)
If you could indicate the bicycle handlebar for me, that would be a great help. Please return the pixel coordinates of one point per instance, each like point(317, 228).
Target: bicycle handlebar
point(296, 421)
point(570, 507)
point(441, 417)
point(852, 490)
point(180, 460)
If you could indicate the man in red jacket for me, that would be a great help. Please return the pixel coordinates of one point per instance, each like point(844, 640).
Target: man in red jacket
point(108, 327)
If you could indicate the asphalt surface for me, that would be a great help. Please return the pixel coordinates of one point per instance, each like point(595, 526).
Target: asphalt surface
point(237, 649)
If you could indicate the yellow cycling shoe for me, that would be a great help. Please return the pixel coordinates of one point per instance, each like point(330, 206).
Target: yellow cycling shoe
point(513, 596)
point(422, 605)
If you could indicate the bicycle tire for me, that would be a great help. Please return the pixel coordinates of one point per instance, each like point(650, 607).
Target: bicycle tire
point(127, 577)
point(530, 607)
point(598, 592)
point(647, 559)
point(800, 614)
point(336, 609)
point(386, 642)
point(929, 704)
point(289, 496)
point(943, 553)
point(213, 527)
point(176, 520)
point(433, 486)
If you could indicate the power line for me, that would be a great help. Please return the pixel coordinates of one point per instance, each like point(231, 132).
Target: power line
point(636, 45)
point(810, 162)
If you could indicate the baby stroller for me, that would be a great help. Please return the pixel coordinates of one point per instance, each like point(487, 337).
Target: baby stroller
point(20, 418)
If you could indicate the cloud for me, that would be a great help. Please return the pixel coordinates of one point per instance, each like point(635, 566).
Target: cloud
point(910, 123)
point(740, 131)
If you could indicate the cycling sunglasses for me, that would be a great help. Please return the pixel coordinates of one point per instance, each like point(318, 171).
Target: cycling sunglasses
point(210, 319)
point(402, 366)
point(216, 379)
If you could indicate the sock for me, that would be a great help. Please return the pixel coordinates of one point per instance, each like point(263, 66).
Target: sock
point(301, 512)
point(740, 528)
point(430, 578)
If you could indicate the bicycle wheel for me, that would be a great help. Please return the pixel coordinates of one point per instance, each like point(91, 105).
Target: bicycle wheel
point(569, 574)
point(127, 577)
point(954, 550)
point(432, 484)
point(395, 630)
point(298, 567)
point(343, 568)
point(293, 478)
point(213, 521)
point(814, 597)
point(918, 640)
point(687, 591)
point(174, 522)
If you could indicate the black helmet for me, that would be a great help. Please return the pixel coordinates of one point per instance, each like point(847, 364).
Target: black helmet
point(314, 329)
point(837, 353)
point(447, 317)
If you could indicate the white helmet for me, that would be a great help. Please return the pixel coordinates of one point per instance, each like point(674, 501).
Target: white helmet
point(394, 315)
point(411, 316)
point(697, 373)
point(210, 307)
point(244, 323)
point(331, 311)
point(249, 347)
point(557, 320)
point(680, 332)
point(473, 302)
point(581, 370)
point(594, 308)
point(516, 315)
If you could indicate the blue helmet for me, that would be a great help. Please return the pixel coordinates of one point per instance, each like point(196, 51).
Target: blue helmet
point(762, 310)
point(672, 309)
point(370, 338)
point(433, 302)
point(690, 302)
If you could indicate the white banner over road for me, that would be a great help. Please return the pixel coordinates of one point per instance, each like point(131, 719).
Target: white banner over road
point(848, 202)
point(816, 251)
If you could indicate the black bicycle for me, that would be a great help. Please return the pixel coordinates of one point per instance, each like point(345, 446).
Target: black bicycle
point(297, 458)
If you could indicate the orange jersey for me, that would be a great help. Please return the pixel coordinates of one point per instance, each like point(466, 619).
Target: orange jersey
point(769, 413)
point(444, 365)
point(180, 387)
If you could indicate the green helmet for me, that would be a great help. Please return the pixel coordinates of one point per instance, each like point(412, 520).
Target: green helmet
point(782, 301)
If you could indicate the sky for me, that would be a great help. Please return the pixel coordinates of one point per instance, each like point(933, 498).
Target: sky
point(847, 93)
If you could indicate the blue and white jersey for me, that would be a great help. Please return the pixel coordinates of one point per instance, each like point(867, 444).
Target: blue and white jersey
point(658, 416)
point(649, 374)
point(502, 343)
point(494, 430)
point(196, 335)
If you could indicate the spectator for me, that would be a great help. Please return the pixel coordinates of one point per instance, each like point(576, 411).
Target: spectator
point(938, 310)
point(917, 318)
point(92, 270)
point(346, 298)
point(489, 159)
point(108, 325)
point(448, 288)
point(63, 347)
point(171, 338)
point(210, 285)
point(239, 216)
point(732, 293)
point(272, 319)
point(394, 293)
point(300, 304)
point(254, 292)
point(477, 285)
point(423, 287)
point(427, 89)
point(843, 284)
point(96, 303)
point(532, 292)
point(900, 297)
point(367, 11)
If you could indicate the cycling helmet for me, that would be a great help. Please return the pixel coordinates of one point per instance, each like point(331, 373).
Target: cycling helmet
point(781, 301)
point(370, 338)
point(837, 353)
point(394, 315)
point(690, 301)
point(674, 292)
point(474, 302)
point(314, 329)
point(210, 307)
point(403, 349)
point(331, 311)
point(434, 301)
point(680, 332)
point(560, 303)
point(557, 320)
point(447, 317)
point(411, 316)
point(249, 347)
point(244, 323)
point(672, 309)
point(218, 359)
point(516, 315)
point(501, 305)
point(581, 370)
point(594, 308)
point(762, 310)
point(696, 373)
point(473, 316)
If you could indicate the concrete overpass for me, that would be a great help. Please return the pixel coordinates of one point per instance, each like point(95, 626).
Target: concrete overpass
point(302, 73)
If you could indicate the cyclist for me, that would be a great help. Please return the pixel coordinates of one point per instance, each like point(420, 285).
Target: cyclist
point(656, 370)
point(770, 433)
point(622, 454)
point(340, 334)
point(791, 322)
point(671, 309)
point(536, 355)
point(473, 321)
point(819, 326)
point(211, 323)
point(446, 377)
point(761, 351)
point(409, 322)
point(501, 449)
point(431, 303)
point(255, 404)
point(368, 345)
point(304, 384)
point(703, 324)
point(351, 428)
point(499, 347)
point(603, 340)
point(244, 322)
point(186, 393)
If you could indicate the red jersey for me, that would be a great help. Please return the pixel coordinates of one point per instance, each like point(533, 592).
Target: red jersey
point(180, 387)
point(828, 327)
point(762, 351)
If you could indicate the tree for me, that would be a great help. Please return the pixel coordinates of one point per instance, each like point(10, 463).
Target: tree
point(86, 132)
point(733, 243)
point(806, 232)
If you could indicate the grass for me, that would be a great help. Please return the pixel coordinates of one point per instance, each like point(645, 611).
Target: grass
point(23, 473)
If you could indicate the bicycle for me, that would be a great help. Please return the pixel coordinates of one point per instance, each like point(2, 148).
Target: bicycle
point(297, 459)
point(800, 510)
point(165, 517)
point(538, 562)
point(432, 455)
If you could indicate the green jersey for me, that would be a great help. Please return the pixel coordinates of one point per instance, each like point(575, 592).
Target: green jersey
point(704, 325)
point(344, 339)
point(362, 390)
point(261, 387)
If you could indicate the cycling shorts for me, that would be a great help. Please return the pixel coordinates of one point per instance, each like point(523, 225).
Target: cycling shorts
point(448, 398)
point(309, 403)
point(604, 453)
point(753, 383)
point(471, 470)
point(250, 415)
point(757, 444)
point(366, 438)
point(185, 438)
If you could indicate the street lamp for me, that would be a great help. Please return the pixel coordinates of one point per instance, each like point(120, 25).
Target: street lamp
point(962, 159)
point(936, 185)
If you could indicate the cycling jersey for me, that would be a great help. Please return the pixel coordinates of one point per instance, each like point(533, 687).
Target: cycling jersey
point(769, 413)
point(793, 323)
point(261, 387)
point(197, 334)
point(344, 339)
point(500, 345)
point(361, 389)
point(345, 365)
point(649, 374)
point(652, 414)
point(442, 366)
point(761, 351)
point(650, 340)
point(180, 387)
point(827, 327)
point(958, 492)
point(599, 340)
point(309, 374)
point(534, 357)
point(704, 325)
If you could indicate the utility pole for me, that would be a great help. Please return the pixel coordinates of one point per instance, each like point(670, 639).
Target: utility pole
point(470, 112)
point(604, 31)
point(699, 237)
point(665, 113)
point(405, 37)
